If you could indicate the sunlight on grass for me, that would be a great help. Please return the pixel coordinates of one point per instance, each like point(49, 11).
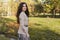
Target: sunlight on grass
point(50, 23)
point(39, 28)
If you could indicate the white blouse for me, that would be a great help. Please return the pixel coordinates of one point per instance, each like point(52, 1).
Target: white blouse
point(23, 21)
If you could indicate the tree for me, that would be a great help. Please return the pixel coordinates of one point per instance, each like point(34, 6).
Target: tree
point(54, 4)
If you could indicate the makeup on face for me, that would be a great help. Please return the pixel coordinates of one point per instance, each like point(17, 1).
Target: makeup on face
point(24, 7)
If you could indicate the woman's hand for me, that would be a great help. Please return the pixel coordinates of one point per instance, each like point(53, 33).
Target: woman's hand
point(26, 33)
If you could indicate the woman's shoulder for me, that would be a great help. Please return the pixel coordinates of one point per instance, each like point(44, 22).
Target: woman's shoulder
point(22, 14)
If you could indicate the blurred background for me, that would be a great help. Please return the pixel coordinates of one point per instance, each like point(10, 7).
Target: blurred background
point(44, 20)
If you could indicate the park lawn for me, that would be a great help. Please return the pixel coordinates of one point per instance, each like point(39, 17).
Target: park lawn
point(2, 37)
point(44, 28)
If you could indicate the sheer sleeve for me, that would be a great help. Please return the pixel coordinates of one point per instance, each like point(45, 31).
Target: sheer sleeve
point(21, 20)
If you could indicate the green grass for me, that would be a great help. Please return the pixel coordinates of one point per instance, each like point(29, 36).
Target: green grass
point(2, 37)
point(43, 28)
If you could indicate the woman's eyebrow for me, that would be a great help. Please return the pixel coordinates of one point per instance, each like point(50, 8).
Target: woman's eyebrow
point(24, 6)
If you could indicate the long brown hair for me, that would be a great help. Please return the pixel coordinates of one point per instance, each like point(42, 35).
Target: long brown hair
point(20, 10)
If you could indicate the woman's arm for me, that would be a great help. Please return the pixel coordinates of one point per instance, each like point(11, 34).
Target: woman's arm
point(22, 17)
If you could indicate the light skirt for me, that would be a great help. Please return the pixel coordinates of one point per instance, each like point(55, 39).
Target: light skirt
point(23, 37)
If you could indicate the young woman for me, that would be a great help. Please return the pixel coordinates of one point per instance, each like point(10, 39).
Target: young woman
point(22, 20)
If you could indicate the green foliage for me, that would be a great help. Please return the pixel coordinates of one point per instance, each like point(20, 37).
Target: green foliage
point(2, 37)
point(39, 8)
point(39, 28)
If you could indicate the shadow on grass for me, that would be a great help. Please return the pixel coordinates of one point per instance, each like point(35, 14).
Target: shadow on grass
point(50, 16)
point(8, 27)
point(38, 34)
point(44, 33)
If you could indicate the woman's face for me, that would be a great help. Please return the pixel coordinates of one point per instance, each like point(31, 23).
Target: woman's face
point(24, 7)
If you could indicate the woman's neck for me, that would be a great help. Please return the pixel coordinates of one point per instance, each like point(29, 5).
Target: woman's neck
point(23, 11)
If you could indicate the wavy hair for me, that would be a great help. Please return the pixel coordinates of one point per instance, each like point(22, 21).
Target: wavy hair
point(20, 10)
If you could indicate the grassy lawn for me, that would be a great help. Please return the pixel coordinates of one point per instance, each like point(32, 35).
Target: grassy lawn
point(42, 28)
